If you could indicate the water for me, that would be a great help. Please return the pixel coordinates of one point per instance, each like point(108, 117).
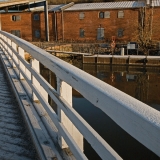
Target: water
point(141, 83)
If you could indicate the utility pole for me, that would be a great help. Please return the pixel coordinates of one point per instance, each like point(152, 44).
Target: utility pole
point(46, 20)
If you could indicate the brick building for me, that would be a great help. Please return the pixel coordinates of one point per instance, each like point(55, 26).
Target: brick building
point(83, 22)
point(101, 21)
point(155, 20)
point(14, 23)
point(27, 25)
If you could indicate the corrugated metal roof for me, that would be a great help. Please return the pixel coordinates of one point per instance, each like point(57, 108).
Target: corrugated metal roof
point(155, 3)
point(50, 8)
point(106, 5)
point(8, 3)
point(56, 7)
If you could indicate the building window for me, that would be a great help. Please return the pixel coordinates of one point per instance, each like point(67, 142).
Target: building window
point(101, 14)
point(16, 18)
point(120, 32)
point(81, 32)
point(120, 14)
point(100, 33)
point(37, 33)
point(36, 17)
point(107, 14)
point(81, 15)
point(16, 33)
point(104, 14)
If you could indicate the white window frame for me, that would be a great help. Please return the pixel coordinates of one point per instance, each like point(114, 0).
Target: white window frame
point(101, 15)
point(120, 14)
point(16, 18)
point(81, 15)
point(107, 14)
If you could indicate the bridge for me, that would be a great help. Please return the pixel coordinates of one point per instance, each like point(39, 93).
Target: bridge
point(59, 134)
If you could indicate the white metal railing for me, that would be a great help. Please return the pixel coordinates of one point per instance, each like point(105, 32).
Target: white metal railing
point(138, 119)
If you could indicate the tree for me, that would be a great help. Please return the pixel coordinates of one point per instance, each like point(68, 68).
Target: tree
point(144, 36)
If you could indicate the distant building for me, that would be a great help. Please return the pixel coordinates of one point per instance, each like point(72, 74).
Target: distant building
point(155, 13)
point(101, 21)
point(83, 22)
point(28, 25)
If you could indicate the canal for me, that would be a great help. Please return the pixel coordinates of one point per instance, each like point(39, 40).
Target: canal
point(142, 83)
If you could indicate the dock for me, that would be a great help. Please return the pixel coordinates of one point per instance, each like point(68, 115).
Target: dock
point(122, 60)
point(67, 53)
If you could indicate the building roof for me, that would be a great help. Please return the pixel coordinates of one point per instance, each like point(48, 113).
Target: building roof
point(11, 3)
point(106, 5)
point(60, 7)
point(55, 7)
point(155, 3)
point(51, 8)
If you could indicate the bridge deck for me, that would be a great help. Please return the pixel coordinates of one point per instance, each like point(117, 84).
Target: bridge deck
point(15, 142)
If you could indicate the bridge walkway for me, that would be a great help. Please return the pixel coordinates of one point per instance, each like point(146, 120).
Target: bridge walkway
point(15, 142)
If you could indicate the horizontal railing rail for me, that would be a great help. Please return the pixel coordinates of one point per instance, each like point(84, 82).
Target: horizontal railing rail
point(67, 52)
point(138, 119)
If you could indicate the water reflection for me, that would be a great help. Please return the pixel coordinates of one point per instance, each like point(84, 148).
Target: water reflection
point(140, 82)
point(142, 87)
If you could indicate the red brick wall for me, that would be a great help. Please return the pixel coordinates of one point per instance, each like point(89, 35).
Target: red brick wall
point(51, 26)
point(36, 25)
point(27, 25)
point(40, 25)
point(156, 24)
point(91, 22)
point(24, 25)
point(59, 25)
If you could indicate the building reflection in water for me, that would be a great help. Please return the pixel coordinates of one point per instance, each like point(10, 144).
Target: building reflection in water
point(142, 87)
point(142, 83)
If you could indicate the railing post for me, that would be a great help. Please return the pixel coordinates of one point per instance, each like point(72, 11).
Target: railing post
point(6, 49)
point(21, 53)
point(3, 37)
point(36, 66)
point(14, 46)
point(5, 46)
point(9, 50)
point(64, 90)
point(2, 43)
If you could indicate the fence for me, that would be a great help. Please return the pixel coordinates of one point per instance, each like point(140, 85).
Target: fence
point(139, 120)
